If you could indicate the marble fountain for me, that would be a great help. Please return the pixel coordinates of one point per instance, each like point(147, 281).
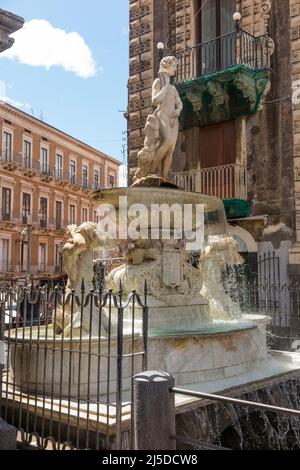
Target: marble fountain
point(196, 332)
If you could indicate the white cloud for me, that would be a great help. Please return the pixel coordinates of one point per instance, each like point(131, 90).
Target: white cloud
point(40, 44)
point(7, 99)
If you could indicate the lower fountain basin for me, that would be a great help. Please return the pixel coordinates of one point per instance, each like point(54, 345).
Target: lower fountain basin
point(71, 368)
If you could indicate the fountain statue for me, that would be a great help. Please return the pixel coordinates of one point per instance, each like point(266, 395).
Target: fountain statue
point(78, 256)
point(161, 130)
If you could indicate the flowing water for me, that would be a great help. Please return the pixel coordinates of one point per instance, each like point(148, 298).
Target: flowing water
point(234, 427)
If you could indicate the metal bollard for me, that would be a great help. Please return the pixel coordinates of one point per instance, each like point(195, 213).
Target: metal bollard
point(153, 411)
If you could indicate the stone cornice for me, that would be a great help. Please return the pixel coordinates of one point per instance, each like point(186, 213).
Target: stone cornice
point(35, 125)
point(9, 23)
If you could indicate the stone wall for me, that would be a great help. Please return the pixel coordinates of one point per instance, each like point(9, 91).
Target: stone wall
point(268, 142)
point(141, 73)
point(295, 85)
point(270, 134)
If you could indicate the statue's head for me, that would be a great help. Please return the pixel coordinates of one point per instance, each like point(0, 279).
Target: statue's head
point(169, 65)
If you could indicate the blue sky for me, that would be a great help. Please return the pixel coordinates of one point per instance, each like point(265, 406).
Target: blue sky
point(86, 100)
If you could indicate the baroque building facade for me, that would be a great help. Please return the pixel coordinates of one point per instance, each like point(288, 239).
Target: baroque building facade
point(240, 133)
point(45, 180)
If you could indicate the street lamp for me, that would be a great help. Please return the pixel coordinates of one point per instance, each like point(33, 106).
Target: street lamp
point(237, 17)
point(160, 50)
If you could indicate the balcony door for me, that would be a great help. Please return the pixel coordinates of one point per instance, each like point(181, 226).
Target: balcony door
point(44, 160)
point(26, 207)
point(27, 154)
point(218, 160)
point(4, 255)
point(6, 204)
point(213, 24)
point(7, 146)
point(59, 166)
point(24, 255)
point(43, 212)
point(42, 257)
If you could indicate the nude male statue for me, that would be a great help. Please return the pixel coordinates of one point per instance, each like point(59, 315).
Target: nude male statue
point(161, 130)
point(169, 106)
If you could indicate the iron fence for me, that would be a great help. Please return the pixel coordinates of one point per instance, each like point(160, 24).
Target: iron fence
point(230, 50)
point(264, 289)
point(69, 359)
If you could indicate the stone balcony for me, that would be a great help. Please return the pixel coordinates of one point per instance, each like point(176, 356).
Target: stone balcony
point(223, 79)
point(224, 182)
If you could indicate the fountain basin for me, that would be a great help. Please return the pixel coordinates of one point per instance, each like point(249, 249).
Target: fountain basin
point(70, 368)
point(48, 365)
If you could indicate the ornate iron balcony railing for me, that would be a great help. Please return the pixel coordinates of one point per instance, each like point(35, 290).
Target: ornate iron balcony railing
point(228, 51)
point(225, 182)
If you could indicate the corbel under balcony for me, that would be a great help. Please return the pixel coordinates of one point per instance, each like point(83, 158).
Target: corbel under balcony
point(223, 96)
point(224, 78)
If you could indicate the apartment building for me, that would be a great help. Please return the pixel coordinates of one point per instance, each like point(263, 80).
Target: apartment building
point(45, 180)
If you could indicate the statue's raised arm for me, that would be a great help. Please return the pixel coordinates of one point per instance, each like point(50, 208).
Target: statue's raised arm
point(160, 89)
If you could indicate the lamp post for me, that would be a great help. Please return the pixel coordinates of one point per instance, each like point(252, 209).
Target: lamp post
point(237, 17)
point(160, 51)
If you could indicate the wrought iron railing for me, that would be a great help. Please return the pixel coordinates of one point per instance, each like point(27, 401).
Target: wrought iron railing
point(236, 409)
point(76, 392)
point(225, 182)
point(44, 171)
point(230, 50)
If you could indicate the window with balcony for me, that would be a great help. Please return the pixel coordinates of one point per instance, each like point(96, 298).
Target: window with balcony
point(59, 258)
point(6, 204)
point(4, 255)
point(96, 179)
point(72, 172)
point(84, 176)
point(111, 181)
point(44, 161)
point(59, 167)
point(42, 257)
point(72, 214)
point(96, 217)
point(43, 212)
point(27, 154)
point(7, 146)
point(24, 254)
point(58, 214)
point(84, 215)
point(26, 207)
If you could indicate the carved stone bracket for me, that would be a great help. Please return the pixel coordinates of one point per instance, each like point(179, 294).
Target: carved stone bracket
point(223, 96)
